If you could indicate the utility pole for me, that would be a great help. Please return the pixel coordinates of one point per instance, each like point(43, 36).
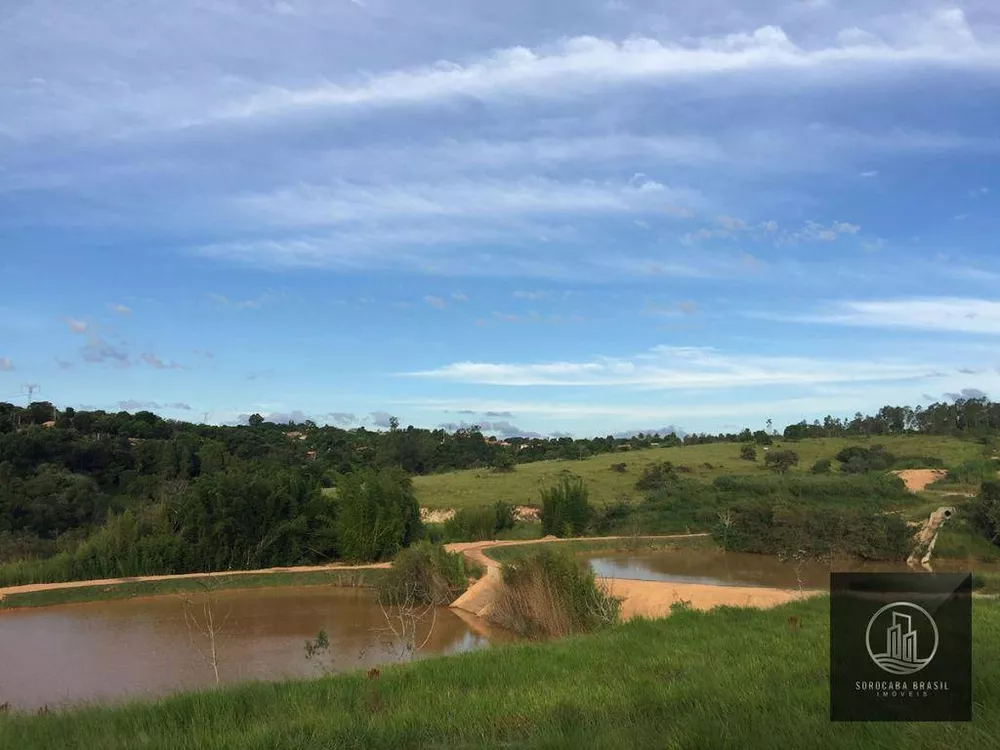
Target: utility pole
point(30, 388)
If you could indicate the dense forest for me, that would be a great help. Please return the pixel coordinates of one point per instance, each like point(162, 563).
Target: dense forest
point(100, 494)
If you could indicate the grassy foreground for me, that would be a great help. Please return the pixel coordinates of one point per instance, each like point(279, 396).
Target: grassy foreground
point(731, 678)
point(477, 487)
point(135, 589)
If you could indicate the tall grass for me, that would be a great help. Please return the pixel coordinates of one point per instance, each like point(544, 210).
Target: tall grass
point(549, 593)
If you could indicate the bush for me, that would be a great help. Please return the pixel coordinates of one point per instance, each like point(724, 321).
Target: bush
point(823, 466)
point(984, 510)
point(424, 573)
point(565, 510)
point(503, 463)
point(974, 471)
point(549, 593)
point(781, 461)
point(480, 524)
point(748, 453)
point(612, 517)
point(857, 460)
point(377, 514)
point(656, 476)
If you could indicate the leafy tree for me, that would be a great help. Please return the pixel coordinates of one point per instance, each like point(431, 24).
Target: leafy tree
point(748, 453)
point(255, 420)
point(782, 460)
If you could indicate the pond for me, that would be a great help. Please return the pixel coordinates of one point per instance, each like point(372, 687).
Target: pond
point(140, 648)
point(714, 567)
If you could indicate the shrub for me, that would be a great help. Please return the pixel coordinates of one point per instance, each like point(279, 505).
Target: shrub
point(656, 476)
point(612, 517)
point(480, 524)
point(471, 525)
point(781, 461)
point(748, 453)
point(503, 463)
point(549, 593)
point(424, 573)
point(974, 471)
point(857, 460)
point(620, 468)
point(823, 466)
point(565, 509)
point(984, 510)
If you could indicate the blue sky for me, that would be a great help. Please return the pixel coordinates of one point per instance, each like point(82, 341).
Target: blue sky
point(581, 218)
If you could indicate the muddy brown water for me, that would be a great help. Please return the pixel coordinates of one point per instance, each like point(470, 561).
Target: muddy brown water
point(707, 566)
point(105, 652)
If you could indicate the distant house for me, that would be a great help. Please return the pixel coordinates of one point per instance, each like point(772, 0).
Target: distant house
point(295, 435)
point(50, 423)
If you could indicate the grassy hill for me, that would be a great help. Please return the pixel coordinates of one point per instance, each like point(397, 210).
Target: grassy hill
point(477, 487)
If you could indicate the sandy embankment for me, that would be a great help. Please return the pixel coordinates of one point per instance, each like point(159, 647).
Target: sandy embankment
point(917, 480)
point(639, 598)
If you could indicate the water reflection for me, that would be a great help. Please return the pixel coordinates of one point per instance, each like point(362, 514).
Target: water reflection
point(106, 651)
point(713, 567)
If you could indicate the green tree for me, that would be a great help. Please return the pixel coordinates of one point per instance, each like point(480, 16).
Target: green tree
point(255, 420)
point(748, 453)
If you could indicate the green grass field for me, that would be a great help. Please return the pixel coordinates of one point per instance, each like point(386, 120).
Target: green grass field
point(731, 678)
point(476, 487)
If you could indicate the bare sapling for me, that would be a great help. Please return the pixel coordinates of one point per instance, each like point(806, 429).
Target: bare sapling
point(205, 621)
point(405, 613)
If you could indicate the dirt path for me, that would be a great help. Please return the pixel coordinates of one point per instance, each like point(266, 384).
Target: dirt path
point(916, 480)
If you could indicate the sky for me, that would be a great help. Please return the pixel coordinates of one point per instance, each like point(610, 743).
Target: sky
point(576, 218)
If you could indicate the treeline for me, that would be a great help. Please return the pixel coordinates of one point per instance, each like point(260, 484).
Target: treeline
point(416, 450)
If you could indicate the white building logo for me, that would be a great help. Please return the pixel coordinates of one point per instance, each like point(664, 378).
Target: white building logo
point(897, 649)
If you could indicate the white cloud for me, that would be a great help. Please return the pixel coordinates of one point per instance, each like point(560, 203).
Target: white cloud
point(348, 203)
point(119, 309)
point(460, 296)
point(672, 368)
point(6, 365)
point(870, 173)
point(247, 304)
point(956, 314)
point(583, 64)
point(436, 302)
